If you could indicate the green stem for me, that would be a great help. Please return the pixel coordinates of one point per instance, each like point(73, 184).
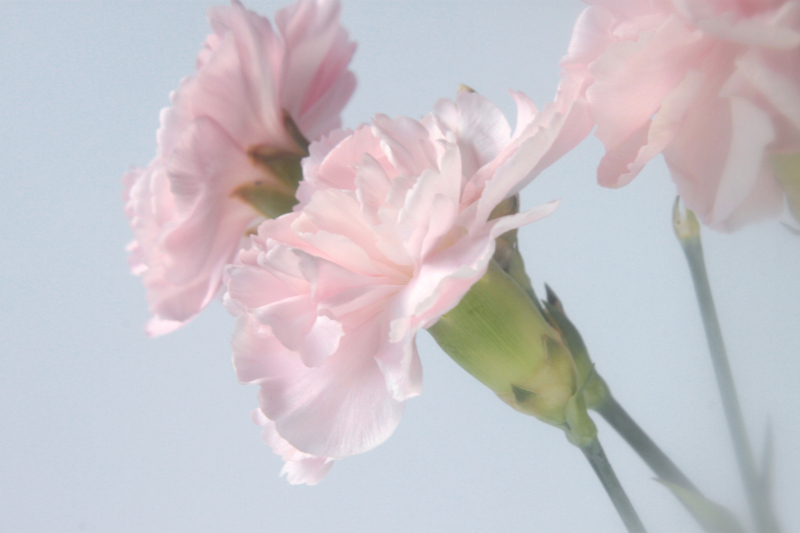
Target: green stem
point(688, 231)
point(597, 458)
point(657, 460)
point(642, 444)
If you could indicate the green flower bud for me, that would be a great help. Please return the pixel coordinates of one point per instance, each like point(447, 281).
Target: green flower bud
point(498, 335)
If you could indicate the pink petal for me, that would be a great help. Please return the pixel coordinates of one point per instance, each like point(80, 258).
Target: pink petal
point(590, 37)
point(763, 27)
point(337, 409)
point(405, 144)
point(632, 78)
point(431, 206)
point(717, 161)
point(316, 82)
point(402, 369)
point(780, 86)
point(526, 112)
point(481, 129)
point(752, 132)
point(620, 166)
point(205, 167)
point(300, 468)
point(238, 82)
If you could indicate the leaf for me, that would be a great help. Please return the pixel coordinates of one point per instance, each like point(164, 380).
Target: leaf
point(766, 479)
point(713, 517)
point(768, 461)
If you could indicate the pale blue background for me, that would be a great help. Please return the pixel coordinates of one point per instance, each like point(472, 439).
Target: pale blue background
point(104, 430)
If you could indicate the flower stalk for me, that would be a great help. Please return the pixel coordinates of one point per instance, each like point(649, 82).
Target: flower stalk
point(595, 394)
point(602, 467)
point(642, 444)
point(687, 229)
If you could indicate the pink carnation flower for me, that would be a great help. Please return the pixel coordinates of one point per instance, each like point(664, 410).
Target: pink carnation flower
point(186, 215)
point(712, 84)
point(394, 229)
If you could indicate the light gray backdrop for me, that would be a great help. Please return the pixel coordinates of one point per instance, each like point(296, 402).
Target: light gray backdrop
point(104, 430)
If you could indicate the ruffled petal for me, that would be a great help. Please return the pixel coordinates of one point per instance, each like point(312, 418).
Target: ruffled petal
point(779, 83)
point(335, 410)
point(315, 81)
point(755, 25)
point(478, 127)
point(752, 132)
point(299, 468)
point(392, 231)
point(632, 78)
point(237, 81)
point(619, 166)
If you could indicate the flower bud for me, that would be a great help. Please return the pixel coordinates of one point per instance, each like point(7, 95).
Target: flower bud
point(685, 223)
point(498, 335)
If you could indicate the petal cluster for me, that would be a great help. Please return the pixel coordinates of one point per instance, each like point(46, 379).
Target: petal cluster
point(257, 94)
point(395, 225)
point(714, 85)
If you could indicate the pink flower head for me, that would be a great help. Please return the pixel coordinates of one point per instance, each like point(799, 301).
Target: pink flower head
point(712, 84)
point(257, 94)
point(394, 229)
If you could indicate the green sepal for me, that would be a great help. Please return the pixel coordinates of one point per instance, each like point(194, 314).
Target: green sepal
point(275, 195)
point(266, 199)
point(595, 390)
point(498, 335)
point(580, 429)
point(282, 165)
point(506, 251)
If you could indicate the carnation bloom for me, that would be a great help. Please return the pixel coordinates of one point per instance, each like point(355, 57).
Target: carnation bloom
point(394, 226)
point(229, 148)
point(712, 84)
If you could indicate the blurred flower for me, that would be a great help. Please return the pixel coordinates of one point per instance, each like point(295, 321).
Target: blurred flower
point(395, 227)
point(712, 84)
point(229, 148)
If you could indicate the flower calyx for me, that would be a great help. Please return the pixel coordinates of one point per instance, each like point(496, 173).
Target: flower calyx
point(275, 196)
point(787, 170)
point(497, 334)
